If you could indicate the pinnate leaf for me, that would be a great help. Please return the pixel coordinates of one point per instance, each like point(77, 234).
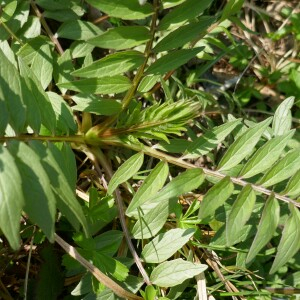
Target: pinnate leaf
point(11, 100)
point(151, 222)
point(172, 61)
point(174, 272)
point(166, 244)
point(11, 198)
point(78, 30)
point(210, 140)
point(129, 168)
point(241, 211)
point(243, 146)
point(103, 85)
point(183, 183)
point(184, 34)
point(96, 105)
point(215, 197)
point(266, 156)
point(289, 243)
point(293, 187)
point(266, 227)
point(282, 121)
point(152, 184)
point(123, 9)
point(122, 37)
point(282, 170)
point(111, 65)
point(35, 185)
point(65, 196)
point(186, 11)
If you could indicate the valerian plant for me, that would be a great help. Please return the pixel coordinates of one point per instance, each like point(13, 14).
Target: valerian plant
point(105, 80)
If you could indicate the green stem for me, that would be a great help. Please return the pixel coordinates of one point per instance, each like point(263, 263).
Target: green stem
point(10, 32)
point(101, 277)
point(120, 205)
point(181, 163)
point(139, 75)
point(44, 138)
point(47, 28)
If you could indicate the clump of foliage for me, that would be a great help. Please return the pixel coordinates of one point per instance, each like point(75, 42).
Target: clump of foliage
point(121, 143)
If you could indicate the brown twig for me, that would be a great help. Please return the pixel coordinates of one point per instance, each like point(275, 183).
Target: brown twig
point(47, 28)
point(101, 19)
point(101, 277)
point(106, 166)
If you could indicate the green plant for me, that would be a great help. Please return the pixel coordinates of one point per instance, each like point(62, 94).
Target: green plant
point(119, 97)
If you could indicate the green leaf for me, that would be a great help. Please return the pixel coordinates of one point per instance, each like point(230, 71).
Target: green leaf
point(232, 7)
point(32, 49)
point(109, 242)
point(31, 29)
point(11, 198)
point(166, 244)
point(123, 37)
point(293, 187)
point(39, 109)
point(150, 293)
point(113, 64)
point(96, 105)
point(64, 116)
point(215, 197)
point(11, 100)
point(174, 146)
point(80, 49)
point(150, 224)
point(129, 168)
point(78, 30)
point(210, 140)
point(183, 183)
point(58, 5)
point(266, 156)
point(152, 184)
point(186, 11)
point(266, 227)
point(123, 9)
point(66, 160)
point(8, 52)
point(102, 214)
point(243, 146)
point(63, 66)
point(184, 34)
point(40, 203)
point(18, 19)
point(62, 15)
point(105, 85)
point(110, 266)
point(172, 61)
point(171, 273)
point(283, 169)
point(148, 82)
point(282, 121)
point(8, 10)
point(239, 214)
point(42, 65)
point(289, 242)
point(65, 196)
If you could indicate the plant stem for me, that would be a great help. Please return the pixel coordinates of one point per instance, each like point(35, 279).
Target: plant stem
point(139, 75)
point(44, 138)
point(11, 33)
point(47, 28)
point(181, 163)
point(117, 289)
point(102, 159)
